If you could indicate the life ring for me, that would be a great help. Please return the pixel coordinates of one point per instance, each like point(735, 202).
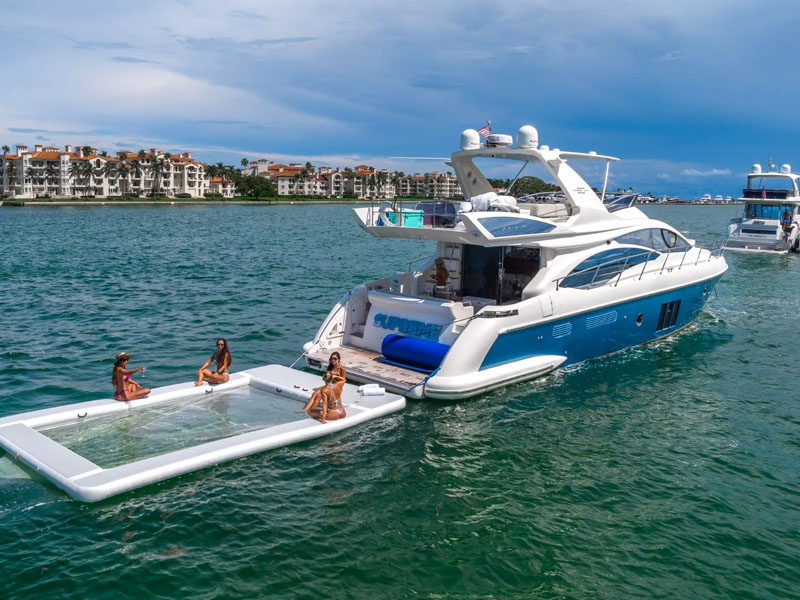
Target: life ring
point(384, 209)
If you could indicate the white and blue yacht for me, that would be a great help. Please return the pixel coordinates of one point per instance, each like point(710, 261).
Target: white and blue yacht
point(522, 288)
point(771, 218)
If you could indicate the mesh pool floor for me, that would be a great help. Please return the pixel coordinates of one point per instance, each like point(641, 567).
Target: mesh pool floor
point(116, 439)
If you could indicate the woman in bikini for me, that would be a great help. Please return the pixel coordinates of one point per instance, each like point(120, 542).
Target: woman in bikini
point(319, 397)
point(222, 356)
point(326, 401)
point(120, 379)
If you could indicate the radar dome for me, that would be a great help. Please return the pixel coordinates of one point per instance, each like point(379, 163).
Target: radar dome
point(527, 137)
point(470, 139)
point(756, 168)
point(786, 168)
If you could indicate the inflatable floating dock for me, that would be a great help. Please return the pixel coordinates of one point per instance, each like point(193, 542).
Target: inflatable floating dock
point(25, 436)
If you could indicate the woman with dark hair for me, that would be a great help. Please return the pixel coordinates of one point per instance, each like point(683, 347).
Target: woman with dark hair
point(120, 376)
point(338, 379)
point(222, 356)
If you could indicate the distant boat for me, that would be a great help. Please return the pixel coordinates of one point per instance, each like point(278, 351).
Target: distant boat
point(770, 221)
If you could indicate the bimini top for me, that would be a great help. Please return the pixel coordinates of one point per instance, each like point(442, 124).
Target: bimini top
point(486, 218)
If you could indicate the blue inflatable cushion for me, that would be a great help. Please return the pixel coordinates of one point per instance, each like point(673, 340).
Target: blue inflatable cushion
point(415, 352)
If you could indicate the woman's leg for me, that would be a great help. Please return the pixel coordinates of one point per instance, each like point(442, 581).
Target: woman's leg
point(127, 396)
point(205, 375)
point(216, 378)
point(323, 413)
point(313, 400)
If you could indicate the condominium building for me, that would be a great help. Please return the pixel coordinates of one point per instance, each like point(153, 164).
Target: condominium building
point(47, 171)
point(362, 181)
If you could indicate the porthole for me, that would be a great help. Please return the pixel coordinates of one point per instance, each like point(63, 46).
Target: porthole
point(639, 319)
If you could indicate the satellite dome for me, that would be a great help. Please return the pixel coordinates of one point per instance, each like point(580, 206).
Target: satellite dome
point(470, 139)
point(756, 168)
point(786, 168)
point(527, 137)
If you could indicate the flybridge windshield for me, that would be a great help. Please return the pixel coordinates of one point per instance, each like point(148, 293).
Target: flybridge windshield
point(533, 177)
point(770, 183)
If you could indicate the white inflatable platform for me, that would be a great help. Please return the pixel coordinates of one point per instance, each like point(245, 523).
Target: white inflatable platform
point(84, 480)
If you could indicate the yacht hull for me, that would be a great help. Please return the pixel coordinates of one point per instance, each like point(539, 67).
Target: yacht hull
point(544, 346)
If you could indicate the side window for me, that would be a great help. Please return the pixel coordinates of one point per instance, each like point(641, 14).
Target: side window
point(605, 265)
point(671, 241)
point(643, 237)
point(662, 240)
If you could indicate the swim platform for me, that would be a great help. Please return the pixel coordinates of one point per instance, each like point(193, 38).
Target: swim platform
point(24, 436)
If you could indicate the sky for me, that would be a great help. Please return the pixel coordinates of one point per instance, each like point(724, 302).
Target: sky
point(687, 94)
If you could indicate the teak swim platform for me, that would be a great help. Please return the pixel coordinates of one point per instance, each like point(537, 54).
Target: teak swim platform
point(21, 435)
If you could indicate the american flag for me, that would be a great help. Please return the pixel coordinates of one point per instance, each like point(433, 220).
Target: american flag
point(485, 131)
point(764, 193)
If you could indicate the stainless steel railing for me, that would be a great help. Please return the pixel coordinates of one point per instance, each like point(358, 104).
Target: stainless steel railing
point(715, 250)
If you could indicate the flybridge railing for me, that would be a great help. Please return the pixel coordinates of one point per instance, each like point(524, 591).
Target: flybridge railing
point(715, 250)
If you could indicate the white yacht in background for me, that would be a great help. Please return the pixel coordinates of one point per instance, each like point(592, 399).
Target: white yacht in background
point(770, 221)
point(520, 289)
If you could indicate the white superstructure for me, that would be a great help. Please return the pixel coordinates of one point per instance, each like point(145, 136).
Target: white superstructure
point(770, 221)
point(528, 286)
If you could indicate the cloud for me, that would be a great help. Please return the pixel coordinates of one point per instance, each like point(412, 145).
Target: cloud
point(48, 131)
point(226, 45)
point(708, 173)
point(671, 56)
point(247, 14)
point(131, 60)
point(89, 46)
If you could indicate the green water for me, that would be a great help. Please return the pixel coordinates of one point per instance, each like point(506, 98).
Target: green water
point(666, 471)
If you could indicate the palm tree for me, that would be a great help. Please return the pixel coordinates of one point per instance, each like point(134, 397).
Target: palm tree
point(87, 174)
point(50, 175)
point(75, 172)
point(108, 171)
point(6, 149)
point(11, 173)
point(30, 174)
point(380, 178)
point(121, 173)
point(244, 162)
point(298, 178)
point(157, 169)
point(87, 150)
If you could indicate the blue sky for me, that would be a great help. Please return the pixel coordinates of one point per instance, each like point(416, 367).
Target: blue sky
point(688, 94)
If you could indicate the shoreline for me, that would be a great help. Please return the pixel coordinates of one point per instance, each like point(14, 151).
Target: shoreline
point(272, 202)
point(176, 202)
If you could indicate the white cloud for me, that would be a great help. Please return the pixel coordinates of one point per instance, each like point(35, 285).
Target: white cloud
point(671, 56)
point(706, 173)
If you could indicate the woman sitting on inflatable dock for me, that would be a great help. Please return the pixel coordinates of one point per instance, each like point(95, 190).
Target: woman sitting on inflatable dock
point(222, 356)
point(327, 398)
point(119, 377)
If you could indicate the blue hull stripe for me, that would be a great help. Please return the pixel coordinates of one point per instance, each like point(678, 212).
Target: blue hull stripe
point(598, 332)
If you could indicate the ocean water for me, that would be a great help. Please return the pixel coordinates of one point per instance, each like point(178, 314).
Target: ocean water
point(670, 470)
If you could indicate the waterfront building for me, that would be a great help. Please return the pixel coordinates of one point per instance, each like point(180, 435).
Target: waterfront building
point(47, 171)
point(361, 181)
